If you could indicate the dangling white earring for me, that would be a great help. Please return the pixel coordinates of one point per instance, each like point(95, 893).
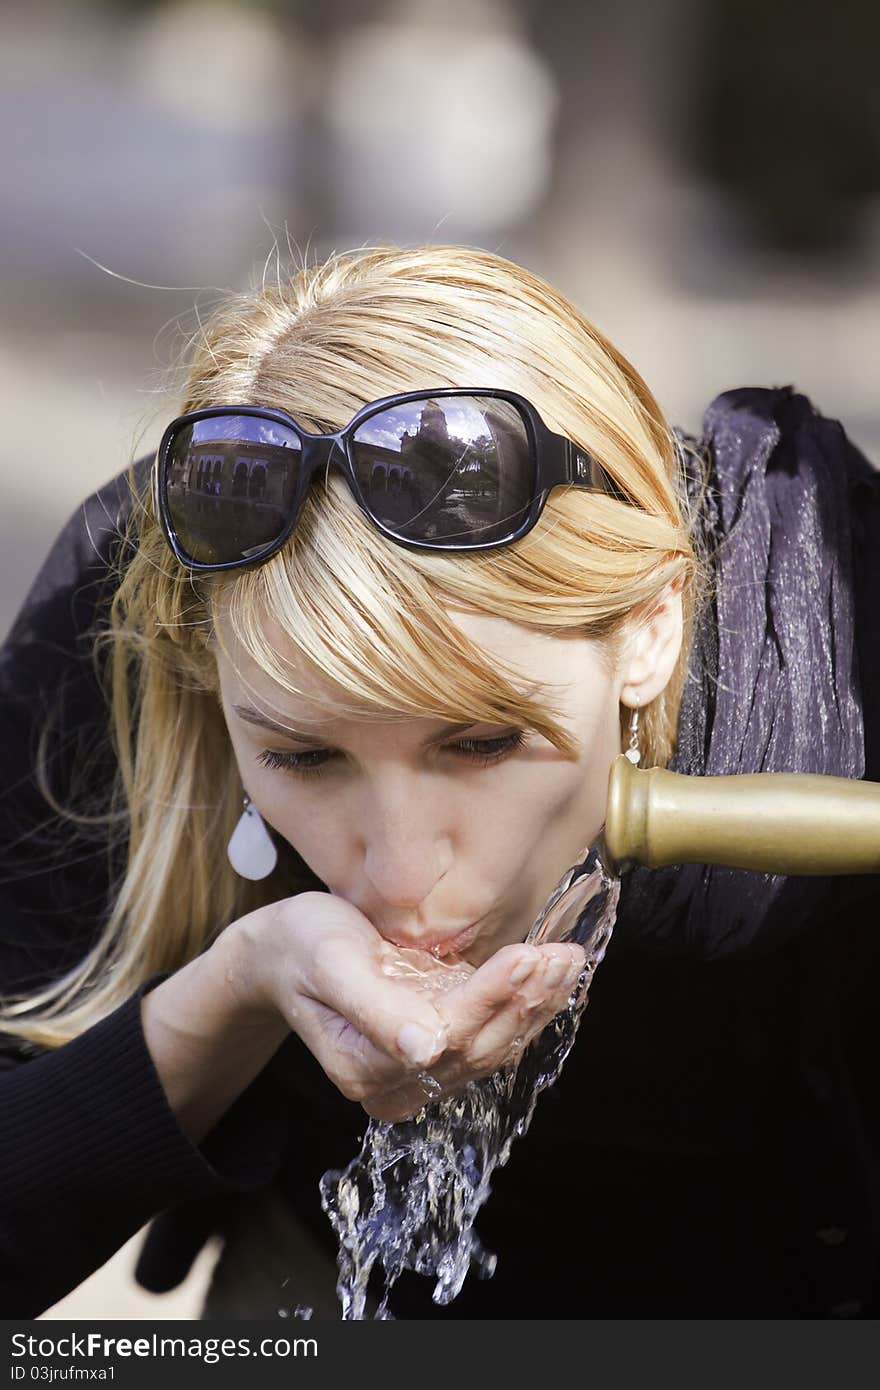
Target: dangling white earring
point(251, 850)
point(633, 752)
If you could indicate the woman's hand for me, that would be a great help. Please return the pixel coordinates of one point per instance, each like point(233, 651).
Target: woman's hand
point(490, 1019)
point(377, 1022)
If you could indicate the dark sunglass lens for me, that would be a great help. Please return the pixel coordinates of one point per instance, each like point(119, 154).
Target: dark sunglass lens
point(231, 484)
point(453, 468)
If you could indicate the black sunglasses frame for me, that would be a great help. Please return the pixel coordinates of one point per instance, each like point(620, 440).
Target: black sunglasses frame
point(558, 460)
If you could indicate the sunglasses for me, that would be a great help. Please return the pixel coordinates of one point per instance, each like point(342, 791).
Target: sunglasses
point(449, 469)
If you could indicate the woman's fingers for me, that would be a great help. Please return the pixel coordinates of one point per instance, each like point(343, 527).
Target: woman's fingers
point(506, 989)
point(511, 1030)
point(367, 1030)
point(403, 1102)
point(512, 1017)
point(355, 1065)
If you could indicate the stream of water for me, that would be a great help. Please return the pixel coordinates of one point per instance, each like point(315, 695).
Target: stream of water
point(409, 1199)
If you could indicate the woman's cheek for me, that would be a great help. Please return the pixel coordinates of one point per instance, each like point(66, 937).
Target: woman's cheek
point(277, 800)
point(305, 821)
point(270, 789)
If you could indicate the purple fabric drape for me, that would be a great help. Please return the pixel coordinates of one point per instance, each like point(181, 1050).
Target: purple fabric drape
point(772, 678)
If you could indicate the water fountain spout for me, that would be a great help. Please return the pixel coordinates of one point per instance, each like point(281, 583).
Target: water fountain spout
point(774, 822)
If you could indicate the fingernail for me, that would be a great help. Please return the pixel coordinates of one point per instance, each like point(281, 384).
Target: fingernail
point(522, 970)
point(417, 1044)
point(555, 971)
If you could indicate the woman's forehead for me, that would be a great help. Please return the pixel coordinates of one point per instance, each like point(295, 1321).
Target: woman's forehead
point(511, 644)
point(531, 660)
point(302, 686)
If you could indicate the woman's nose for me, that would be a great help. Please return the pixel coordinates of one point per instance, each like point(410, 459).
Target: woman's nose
point(404, 865)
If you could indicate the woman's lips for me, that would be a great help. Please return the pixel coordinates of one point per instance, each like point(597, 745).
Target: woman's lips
point(442, 945)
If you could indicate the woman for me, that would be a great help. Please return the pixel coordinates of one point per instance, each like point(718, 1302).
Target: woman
point(427, 728)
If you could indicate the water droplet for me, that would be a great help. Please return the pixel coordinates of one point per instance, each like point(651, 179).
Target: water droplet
point(430, 1085)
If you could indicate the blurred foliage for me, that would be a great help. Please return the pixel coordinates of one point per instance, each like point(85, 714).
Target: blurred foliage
point(791, 115)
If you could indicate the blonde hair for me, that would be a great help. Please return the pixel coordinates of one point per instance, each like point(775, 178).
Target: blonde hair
point(368, 614)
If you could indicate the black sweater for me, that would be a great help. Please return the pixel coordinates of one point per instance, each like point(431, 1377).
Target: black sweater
point(698, 1157)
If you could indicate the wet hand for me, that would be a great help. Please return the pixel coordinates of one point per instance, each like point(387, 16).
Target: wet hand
point(375, 1028)
point(490, 1018)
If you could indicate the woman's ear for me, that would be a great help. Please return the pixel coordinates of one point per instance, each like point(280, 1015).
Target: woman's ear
point(651, 647)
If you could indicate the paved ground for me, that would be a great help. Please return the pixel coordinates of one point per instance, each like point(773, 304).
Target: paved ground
point(112, 1293)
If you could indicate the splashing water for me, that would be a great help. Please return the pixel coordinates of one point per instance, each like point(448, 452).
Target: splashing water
point(410, 1197)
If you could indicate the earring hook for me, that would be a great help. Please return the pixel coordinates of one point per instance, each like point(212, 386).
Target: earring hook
point(633, 752)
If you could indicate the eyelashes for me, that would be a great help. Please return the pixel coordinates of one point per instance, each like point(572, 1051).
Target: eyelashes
point(481, 752)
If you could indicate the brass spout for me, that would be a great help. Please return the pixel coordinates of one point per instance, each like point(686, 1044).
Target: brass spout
point(775, 822)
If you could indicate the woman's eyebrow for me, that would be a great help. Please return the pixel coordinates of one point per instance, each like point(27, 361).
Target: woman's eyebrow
point(263, 721)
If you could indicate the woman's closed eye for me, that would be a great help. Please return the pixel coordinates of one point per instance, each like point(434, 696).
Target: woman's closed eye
point(480, 751)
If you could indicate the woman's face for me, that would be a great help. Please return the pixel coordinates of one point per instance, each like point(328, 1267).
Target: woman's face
point(438, 850)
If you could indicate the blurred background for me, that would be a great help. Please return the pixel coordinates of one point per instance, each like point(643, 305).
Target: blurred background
point(702, 177)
